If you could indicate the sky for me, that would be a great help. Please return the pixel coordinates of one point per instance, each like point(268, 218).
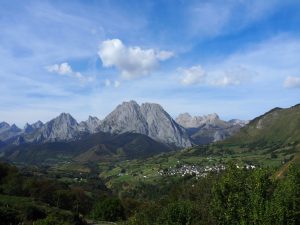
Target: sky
point(236, 58)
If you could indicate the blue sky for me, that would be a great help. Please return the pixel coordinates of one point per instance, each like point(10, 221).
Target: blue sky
point(236, 58)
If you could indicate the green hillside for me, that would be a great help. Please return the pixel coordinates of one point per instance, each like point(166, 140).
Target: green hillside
point(278, 126)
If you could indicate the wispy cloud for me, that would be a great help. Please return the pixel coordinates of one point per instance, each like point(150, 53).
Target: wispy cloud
point(213, 18)
point(292, 82)
point(193, 75)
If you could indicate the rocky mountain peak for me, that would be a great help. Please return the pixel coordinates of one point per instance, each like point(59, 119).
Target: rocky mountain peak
point(149, 119)
point(28, 128)
point(14, 128)
point(4, 125)
point(127, 117)
point(90, 125)
point(7, 131)
point(62, 128)
point(37, 124)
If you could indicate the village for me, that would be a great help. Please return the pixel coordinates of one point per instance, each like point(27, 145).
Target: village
point(198, 171)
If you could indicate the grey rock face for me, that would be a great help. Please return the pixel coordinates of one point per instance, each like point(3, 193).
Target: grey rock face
point(127, 117)
point(62, 128)
point(91, 125)
point(209, 128)
point(148, 119)
point(7, 132)
point(29, 128)
point(187, 121)
point(37, 125)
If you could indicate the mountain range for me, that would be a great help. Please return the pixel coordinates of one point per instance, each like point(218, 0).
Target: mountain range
point(149, 119)
point(134, 131)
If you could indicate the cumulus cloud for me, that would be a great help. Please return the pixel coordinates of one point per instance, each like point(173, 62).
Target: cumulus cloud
point(65, 69)
point(192, 75)
point(133, 62)
point(292, 82)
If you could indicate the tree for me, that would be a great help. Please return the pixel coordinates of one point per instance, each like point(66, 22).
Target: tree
point(109, 209)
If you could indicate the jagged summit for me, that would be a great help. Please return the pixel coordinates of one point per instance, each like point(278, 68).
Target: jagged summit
point(149, 119)
point(7, 131)
point(91, 125)
point(208, 128)
point(37, 124)
point(188, 121)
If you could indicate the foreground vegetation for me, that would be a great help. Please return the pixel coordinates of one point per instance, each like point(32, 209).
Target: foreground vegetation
point(231, 196)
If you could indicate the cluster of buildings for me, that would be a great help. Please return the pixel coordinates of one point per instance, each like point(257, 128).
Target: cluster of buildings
point(197, 171)
point(193, 170)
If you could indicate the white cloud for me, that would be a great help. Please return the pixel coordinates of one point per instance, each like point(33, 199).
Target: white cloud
point(133, 62)
point(109, 83)
point(235, 75)
point(65, 69)
point(192, 75)
point(292, 82)
point(226, 81)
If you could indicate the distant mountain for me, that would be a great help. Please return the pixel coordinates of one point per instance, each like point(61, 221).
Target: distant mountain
point(208, 128)
point(7, 132)
point(91, 125)
point(29, 128)
point(148, 119)
point(281, 126)
point(62, 128)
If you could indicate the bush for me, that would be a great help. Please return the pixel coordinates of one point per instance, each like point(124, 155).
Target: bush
point(8, 216)
point(33, 213)
point(109, 209)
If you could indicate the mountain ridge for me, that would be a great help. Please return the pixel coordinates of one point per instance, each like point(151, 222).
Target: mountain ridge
point(148, 118)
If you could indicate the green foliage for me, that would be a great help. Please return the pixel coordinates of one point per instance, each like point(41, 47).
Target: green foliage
point(8, 216)
point(178, 213)
point(51, 220)
point(108, 209)
point(253, 197)
point(34, 213)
